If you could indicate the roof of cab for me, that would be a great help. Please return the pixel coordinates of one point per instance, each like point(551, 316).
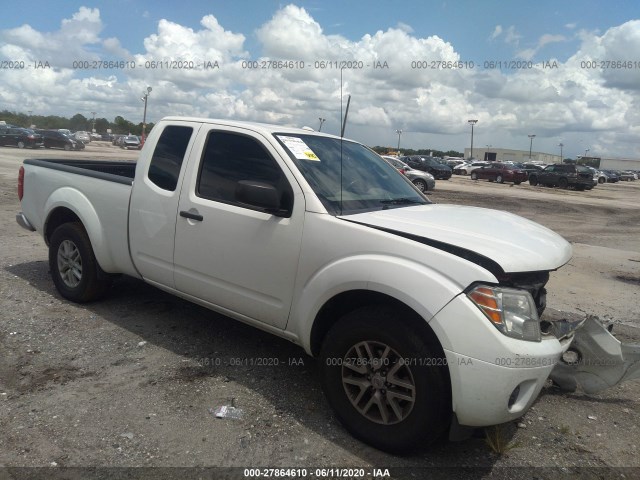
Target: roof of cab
point(264, 128)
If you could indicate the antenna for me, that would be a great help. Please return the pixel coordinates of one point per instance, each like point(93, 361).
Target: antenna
point(341, 139)
point(344, 122)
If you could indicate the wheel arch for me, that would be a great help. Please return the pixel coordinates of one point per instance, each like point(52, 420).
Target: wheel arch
point(69, 205)
point(345, 302)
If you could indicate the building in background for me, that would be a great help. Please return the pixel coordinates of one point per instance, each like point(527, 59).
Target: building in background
point(491, 154)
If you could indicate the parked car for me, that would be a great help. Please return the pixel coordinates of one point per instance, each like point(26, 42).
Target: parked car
point(130, 141)
point(467, 168)
point(428, 164)
point(627, 176)
point(106, 137)
point(56, 139)
point(117, 139)
point(500, 173)
point(612, 176)
point(598, 176)
point(563, 176)
point(82, 136)
point(423, 180)
point(20, 137)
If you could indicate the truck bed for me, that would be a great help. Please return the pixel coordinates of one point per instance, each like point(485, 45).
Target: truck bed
point(118, 171)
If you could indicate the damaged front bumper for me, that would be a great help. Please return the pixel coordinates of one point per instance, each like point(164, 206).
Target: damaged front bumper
point(596, 360)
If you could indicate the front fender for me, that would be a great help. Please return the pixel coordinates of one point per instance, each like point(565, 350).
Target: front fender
point(422, 289)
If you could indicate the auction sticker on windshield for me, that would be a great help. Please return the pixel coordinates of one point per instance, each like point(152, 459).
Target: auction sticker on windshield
point(298, 148)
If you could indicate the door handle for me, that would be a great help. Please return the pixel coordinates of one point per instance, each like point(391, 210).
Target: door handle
point(192, 214)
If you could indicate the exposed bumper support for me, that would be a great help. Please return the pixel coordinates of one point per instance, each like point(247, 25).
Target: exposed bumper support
point(23, 222)
point(600, 360)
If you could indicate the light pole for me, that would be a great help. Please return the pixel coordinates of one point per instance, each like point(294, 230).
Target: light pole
point(561, 145)
point(399, 132)
point(322, 120)
point(585, 152)
point(472, 123)
point(93, 123)
point(145, 95)
point(531, 137)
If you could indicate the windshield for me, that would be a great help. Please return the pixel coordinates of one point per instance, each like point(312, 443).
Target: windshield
point(362, 181)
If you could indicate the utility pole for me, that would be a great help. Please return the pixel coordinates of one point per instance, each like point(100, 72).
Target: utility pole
point(472, 123)
point(399, 132)
point(322, 120)
point(145, 95)
point(531, 137)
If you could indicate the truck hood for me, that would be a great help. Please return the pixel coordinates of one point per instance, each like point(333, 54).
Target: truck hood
point(514, 243)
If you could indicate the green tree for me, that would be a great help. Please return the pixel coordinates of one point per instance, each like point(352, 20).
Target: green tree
point(79, 122)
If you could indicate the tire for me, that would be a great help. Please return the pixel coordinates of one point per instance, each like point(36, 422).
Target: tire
point(580, 188)
point(394, 424)
point(499, 179)
point(421, 184)
point(21, 144)
point(533, 180)
point(563, 183)
point(602, 180)
point(517, 183)
point(463, 172)
point(474, 176)
point(67, 147)
point(75, 271)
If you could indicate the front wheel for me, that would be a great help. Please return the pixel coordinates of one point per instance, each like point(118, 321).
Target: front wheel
point(386, 381)
point(499, 179)
point(563, 183)
point(474, 176)
point(21, 144)
point(533, 181)
point(76, 273)
point(421, 184)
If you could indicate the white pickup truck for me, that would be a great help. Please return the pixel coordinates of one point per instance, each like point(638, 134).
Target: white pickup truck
point(425, 318)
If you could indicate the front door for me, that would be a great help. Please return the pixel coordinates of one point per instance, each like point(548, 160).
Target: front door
point(230, 254)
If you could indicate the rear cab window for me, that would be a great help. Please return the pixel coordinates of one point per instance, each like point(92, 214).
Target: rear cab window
point(166, 162)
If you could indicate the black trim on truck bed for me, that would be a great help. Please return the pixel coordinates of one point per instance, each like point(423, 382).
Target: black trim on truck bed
point(119, 172)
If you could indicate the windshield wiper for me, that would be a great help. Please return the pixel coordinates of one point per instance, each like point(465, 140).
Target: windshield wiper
point(401, 201)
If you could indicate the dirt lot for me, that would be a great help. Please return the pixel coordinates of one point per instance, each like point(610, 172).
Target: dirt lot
point(129, 381)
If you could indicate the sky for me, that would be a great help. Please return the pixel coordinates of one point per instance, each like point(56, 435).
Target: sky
point(567, 72)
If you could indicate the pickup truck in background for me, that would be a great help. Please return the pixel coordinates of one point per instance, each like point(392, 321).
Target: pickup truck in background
point(425, 317)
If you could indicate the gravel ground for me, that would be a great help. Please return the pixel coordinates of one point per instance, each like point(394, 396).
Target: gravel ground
point(130, 381)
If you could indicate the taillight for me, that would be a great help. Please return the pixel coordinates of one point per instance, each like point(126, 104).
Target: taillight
point(21, 183)
point(403, 171)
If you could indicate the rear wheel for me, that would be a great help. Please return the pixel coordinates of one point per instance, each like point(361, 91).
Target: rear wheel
point(602, 180)
point(75, 271)
point(563, 183)
point(21, 144)
point(378, 383)
point(474, 176)
point(421, 184)
point(67, 147)
point(533, 180)
point(499, 179)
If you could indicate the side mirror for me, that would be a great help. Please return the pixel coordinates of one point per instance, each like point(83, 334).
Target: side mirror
point(261, 195)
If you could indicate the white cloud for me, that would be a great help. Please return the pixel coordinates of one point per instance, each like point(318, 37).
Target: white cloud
point(429, 105)
point(512, 37)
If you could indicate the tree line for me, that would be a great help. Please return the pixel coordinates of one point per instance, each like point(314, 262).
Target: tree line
point(75, 123)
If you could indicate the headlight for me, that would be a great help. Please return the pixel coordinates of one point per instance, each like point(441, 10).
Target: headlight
point(511, 311)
